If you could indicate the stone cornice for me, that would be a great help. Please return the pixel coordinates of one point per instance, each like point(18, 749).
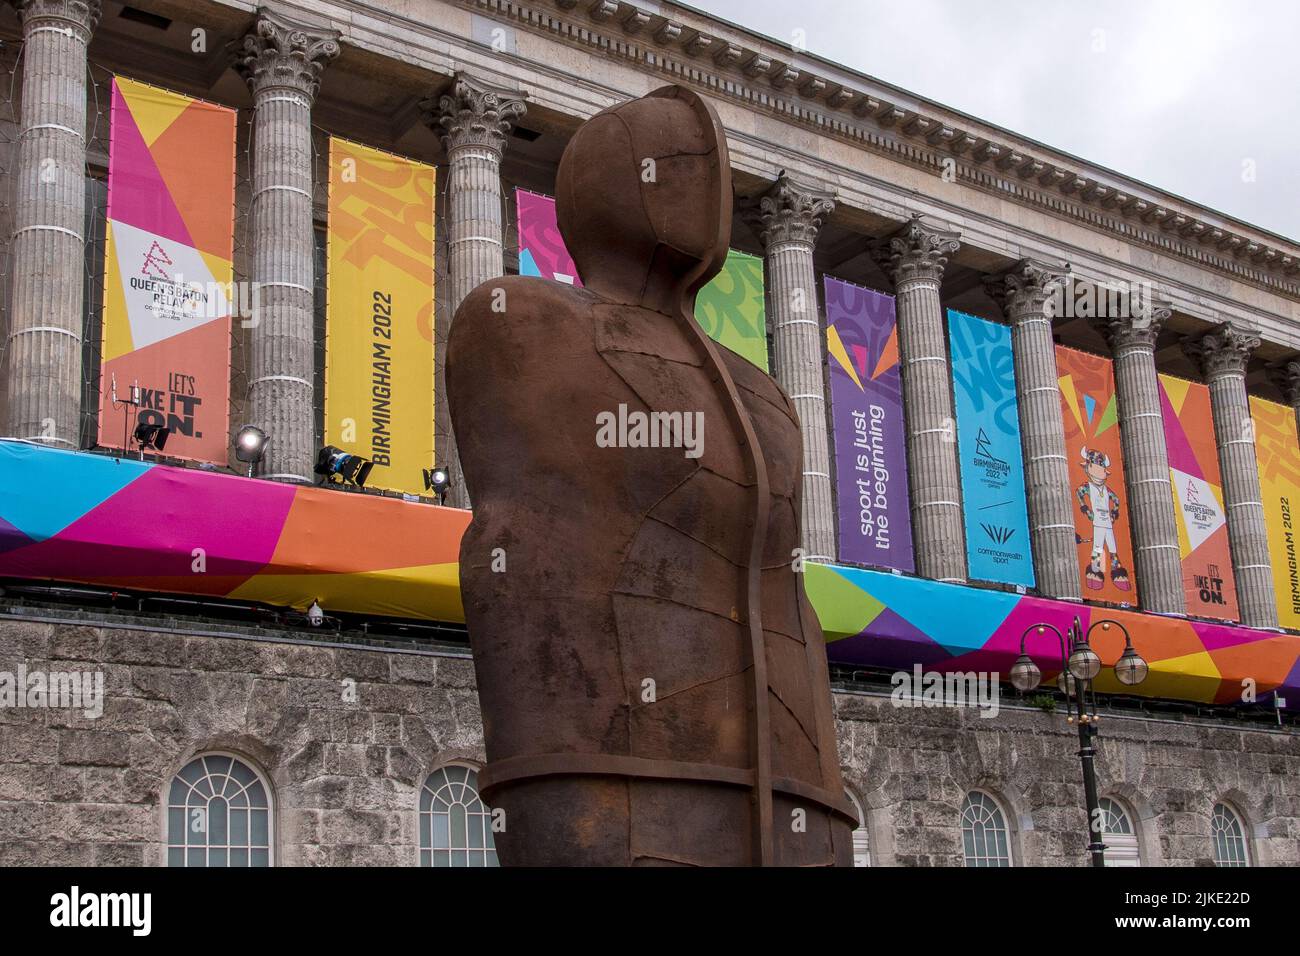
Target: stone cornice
point(1026, 288)
point(1223, 351)
point(790, 211)
point(844, 105)
point(80, 15)
point(917, 251)
point(474, 114)
point(278, 53)
point(1139, 329)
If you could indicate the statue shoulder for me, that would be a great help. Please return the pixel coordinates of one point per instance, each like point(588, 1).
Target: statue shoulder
point(495, 307)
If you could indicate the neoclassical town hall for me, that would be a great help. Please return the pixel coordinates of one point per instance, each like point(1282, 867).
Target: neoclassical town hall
point(359, 745)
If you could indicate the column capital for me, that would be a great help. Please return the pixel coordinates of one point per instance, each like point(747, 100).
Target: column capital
point(790, 211)
point(1223, 351)
point(1026, 287)
point(1138, 328)
point(1286, 376)
point(916, 251)
point(474, 114)
point(278, 53)
point(81, 15)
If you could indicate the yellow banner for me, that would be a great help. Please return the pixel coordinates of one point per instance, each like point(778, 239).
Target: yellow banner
point(379, 354)
point(1279, 484)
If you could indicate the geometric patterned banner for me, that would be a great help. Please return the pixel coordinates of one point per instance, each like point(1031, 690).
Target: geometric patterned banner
point(133, 525)
point(167, 270)
point(1208, 581)
point(130, 525)
point(1101, 517)
point(379, 354)
point(731, 309)
point(867, 417)
point(988, 440)
point(878, 619)
point(1279, 482)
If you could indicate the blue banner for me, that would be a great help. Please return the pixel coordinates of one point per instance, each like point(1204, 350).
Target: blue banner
point(988, 440)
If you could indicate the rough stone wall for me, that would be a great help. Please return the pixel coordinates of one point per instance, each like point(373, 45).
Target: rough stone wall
point(346, 776)
point(912, 767)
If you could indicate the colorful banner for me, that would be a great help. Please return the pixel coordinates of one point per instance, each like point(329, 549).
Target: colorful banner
point(167, 271)
point(1279, 483)
point(541, 248)
point(120, 523)
point(869, 436)
point(379, 353)
point(1092, 445)
point(988, 442)
point(1208, 581)
point(731, 308)
point(877, 619)
point(129, 525)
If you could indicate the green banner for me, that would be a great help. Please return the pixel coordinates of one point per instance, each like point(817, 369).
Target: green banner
point(732, 308)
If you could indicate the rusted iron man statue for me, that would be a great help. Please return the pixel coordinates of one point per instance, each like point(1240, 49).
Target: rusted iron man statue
point(653, 680)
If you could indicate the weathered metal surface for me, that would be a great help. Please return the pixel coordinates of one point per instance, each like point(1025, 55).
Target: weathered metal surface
point(652, 678)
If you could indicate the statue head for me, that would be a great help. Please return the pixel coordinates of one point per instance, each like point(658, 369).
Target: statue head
point(643, 199)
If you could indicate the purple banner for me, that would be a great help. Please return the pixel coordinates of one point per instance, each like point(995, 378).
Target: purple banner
point(867, 412)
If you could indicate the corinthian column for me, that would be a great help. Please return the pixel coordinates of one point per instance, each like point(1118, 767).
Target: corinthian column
point(475, 120)
point(915, 257)
point(1146, 459)
point(1026, 292)
point(282, 63)
point(1222, 356)
point(787, 219)
point(44, 356)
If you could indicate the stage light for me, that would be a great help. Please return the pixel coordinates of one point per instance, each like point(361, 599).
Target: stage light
point(250, 446)
point(335, 463)
point(437, 480)
point(149, 435)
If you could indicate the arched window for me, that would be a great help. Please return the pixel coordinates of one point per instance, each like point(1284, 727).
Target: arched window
point(218, 814)
point(861, 836)
point(1229, 837)
point(984, 831)
point(455, 825)
point(1118, 834)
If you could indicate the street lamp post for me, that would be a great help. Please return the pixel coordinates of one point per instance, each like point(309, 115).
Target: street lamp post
point(1079, 665)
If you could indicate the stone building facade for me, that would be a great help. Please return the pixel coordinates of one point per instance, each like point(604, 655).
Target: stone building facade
point(345, 770)
point(835, 172)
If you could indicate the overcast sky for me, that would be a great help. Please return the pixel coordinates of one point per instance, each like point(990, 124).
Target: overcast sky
point(1191, 96)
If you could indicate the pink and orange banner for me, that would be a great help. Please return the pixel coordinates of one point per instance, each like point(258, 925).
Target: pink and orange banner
point(1208, 581)
point(168, 271)
point(1090, 412)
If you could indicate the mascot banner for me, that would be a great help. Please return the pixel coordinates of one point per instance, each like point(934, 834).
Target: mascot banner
point(379, 354)
point(869, 437)
point(988, 441)
point(1279, 484)
point(167, 271)
point(1208, 581)
point(1101, 517)
point(732, 308)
